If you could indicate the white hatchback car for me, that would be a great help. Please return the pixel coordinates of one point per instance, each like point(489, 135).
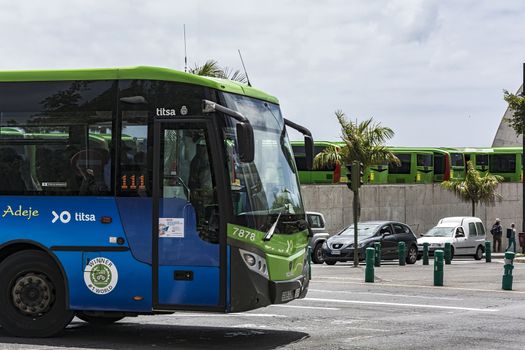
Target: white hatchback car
point(466, 234)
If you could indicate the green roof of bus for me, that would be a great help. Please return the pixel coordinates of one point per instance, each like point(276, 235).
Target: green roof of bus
point(476, 150)
point(507, 149)
point(408, 150)
point(316, 143)
point(139, 72)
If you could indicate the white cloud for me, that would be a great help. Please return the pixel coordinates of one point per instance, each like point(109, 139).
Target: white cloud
point(420, 66)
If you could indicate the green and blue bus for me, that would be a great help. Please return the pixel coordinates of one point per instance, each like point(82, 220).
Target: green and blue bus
point(136, 191)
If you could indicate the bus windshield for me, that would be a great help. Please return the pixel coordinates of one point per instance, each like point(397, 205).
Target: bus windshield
point(268, 185)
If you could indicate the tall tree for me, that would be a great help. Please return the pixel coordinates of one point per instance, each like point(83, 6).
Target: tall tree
point(364, 142)
point(211, 68)
point(475, 188)
point(516, 104)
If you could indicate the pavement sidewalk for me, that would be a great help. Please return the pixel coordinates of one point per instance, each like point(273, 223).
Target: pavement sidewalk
point(520, 258)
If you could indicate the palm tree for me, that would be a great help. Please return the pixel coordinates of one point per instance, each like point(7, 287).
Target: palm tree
point(364, 142)
point(475, 188)
point(212, 69)
point(517, 105)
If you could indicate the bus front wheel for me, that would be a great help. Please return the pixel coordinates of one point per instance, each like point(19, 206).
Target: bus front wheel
point(98, 320)
point(32, 296)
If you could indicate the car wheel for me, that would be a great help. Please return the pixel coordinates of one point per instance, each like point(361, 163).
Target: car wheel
point(317, 254)
point(32, 296)
point(412, 255)
point(451, 253)
point(98, 320)
point(330, 262)
point(479, 253)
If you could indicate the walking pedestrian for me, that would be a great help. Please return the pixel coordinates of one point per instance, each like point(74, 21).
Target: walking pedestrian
point(496, 232)
point(511, 235)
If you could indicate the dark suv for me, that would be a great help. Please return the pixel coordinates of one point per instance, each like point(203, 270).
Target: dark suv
point(340, 247)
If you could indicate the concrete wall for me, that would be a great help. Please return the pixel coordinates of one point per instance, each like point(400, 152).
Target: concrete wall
point(420, 206)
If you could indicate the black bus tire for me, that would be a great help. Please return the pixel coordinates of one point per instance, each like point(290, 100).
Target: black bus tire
point(98, 320)
point(32, 296)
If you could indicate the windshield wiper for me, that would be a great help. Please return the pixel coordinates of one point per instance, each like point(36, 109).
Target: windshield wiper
point(271, 231)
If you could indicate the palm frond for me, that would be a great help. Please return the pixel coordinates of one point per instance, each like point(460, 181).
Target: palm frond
point(212, 69)
point(330, 156)
point(475, 188)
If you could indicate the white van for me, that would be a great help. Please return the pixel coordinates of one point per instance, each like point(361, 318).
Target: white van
point(466, 234)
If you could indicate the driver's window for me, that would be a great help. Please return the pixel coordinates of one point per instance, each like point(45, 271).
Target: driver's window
point(385, 230)
point(460, 232)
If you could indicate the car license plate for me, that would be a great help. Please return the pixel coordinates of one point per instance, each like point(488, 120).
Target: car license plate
point(336, 252)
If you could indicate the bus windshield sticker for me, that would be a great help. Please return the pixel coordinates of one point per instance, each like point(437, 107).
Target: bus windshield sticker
point(101, 276)
point(55, 184)
point(171, 227)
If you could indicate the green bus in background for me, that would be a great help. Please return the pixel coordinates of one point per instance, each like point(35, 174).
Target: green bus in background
point(507, 162)
point(376, 174)
point(457, 163)
point(416, 166)
point(479, 158)
point(326, 175)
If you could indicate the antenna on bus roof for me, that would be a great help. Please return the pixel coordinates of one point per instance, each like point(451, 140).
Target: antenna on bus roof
point(185, 53)
point(245, 72)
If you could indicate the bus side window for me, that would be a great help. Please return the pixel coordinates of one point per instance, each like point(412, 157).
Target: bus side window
point(134, 178)
point(56, 138)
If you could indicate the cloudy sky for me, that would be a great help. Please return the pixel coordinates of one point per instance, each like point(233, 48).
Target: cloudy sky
point(432, 70)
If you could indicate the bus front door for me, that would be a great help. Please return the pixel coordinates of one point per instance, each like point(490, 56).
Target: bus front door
point(186, 222)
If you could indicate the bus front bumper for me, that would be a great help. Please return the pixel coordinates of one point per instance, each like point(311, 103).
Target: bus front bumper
point(285, 291)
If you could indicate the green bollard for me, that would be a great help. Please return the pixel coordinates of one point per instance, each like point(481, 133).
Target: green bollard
point(377, 261)
point(448, 253)
point(425, 253)
point(369, 268)
point(506, 283)
point(401, 253)
point(488, 252)
point(438, 268)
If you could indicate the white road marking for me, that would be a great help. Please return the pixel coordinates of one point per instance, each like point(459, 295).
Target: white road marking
point(306, 307)
point(384, 294)
point(336, 278)
point(224, 315)
point(361, 337)
point(420, 286)
point(368, 329)
point(400, 304)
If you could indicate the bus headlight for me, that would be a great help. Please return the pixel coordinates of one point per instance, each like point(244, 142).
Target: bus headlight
point(255, 262)
point(249, 259)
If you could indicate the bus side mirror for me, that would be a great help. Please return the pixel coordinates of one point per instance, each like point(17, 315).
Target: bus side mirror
point(245, 142)
point(309, 152)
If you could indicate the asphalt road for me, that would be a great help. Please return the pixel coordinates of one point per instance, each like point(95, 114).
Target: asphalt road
point(401, 310)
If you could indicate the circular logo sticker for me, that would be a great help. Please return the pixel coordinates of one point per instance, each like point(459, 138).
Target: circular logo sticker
point(101, 276)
